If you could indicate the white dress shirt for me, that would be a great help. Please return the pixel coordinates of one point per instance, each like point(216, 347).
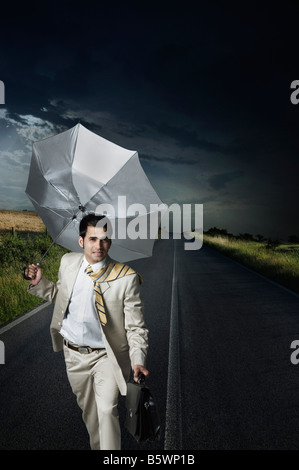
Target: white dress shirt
point(81, 324)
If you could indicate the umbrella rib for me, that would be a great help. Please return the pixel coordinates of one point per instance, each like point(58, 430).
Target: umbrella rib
point(120, 169)
point(65, 196)
point(74, 153)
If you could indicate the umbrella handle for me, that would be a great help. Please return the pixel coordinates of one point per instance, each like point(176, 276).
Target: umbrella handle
point(82, 208)
point(37, 264)
point(25, 275)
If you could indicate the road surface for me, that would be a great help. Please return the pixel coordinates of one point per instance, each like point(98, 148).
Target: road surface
point(219, 357)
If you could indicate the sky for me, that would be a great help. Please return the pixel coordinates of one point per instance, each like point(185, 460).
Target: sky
point(200, 89)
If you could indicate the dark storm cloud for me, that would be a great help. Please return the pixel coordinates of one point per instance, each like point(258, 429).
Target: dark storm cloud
point(203, 91)
point(220, 181)
point(171, 161)
point(190, 138)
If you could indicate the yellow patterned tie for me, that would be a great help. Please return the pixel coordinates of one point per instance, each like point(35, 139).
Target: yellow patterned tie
point(107, 273)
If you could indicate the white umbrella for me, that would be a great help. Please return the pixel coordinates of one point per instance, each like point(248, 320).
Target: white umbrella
point(77, 172)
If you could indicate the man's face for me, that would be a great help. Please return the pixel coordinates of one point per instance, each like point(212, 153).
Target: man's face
point(95, 244)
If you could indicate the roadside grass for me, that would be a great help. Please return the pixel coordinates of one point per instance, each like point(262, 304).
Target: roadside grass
point(16, 251)
point(277, 261)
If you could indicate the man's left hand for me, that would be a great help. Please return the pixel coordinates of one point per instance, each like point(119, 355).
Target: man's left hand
point(139, 370)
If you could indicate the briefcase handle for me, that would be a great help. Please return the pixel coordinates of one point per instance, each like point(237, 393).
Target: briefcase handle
point(141, 378)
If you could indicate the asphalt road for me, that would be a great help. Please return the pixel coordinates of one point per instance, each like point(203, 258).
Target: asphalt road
point(239, 388)
point(236, 387)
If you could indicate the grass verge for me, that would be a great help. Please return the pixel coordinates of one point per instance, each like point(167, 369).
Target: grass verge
point(16, 251)
point(278, 262)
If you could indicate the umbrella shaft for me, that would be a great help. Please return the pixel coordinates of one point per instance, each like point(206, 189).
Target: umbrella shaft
point(46, 252)
point(56, 238)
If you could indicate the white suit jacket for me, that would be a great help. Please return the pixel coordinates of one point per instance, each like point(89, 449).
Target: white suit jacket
point(125, 334)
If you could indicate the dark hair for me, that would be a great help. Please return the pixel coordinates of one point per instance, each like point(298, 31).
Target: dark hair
point(94, 220)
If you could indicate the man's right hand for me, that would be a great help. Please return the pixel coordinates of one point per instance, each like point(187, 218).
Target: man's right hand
point(35, 273)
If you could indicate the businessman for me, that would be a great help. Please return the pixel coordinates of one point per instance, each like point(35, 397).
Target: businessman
point(98, 321)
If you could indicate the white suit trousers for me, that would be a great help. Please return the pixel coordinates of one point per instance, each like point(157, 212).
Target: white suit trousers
point(93, 383)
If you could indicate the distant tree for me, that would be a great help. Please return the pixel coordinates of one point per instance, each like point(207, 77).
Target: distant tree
point(260, 238)
point(245, 236)
point(272, 244)
point(293, 239)
point(214, 231)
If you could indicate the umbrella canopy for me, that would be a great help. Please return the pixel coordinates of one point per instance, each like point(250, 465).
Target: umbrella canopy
point(77, 172)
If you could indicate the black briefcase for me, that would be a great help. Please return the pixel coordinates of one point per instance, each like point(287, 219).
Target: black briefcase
point(142, 418)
